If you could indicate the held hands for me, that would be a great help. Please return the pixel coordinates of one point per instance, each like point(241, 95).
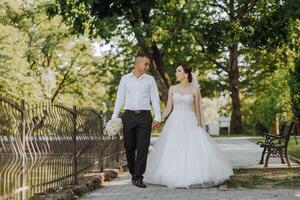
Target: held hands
point(155, 124)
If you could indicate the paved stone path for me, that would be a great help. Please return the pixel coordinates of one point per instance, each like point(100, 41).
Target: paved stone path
point(121, 189)
point(241, 153)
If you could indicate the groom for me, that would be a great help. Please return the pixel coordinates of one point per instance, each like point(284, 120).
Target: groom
point(136, 90)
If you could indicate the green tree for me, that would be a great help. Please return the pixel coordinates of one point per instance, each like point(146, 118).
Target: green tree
point(209, 34)
point(48, 62)
point(294, 85)
point(274, 100)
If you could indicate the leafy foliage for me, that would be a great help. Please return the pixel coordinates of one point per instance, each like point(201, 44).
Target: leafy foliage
point(294, 84)
point(55, 41)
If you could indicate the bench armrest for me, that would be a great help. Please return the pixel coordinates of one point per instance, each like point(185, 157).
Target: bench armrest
point(269, 139)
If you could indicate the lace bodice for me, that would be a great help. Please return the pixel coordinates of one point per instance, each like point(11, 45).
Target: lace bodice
point(183, 101)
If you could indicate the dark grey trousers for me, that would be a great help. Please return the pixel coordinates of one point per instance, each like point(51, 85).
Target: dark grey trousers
point(137, 134)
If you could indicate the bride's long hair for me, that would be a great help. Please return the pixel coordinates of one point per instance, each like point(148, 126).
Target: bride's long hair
point(190, 75)
point(188, 70)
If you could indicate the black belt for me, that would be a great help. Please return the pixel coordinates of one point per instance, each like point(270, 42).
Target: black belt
point(137, 111)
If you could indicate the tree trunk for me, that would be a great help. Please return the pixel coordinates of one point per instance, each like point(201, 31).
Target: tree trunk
point(165, 83)
point(297, 127)
point(157, 67)
point(236, 116)
point(162, 87)
point(156, 55)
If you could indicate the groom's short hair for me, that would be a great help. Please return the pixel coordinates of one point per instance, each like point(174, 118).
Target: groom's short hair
point(142, 55)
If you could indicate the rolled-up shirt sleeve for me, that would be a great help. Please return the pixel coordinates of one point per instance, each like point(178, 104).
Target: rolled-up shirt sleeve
point(120, 99)
point(154, 96)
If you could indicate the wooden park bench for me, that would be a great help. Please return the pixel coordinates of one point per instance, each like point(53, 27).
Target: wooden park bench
point(276, 145)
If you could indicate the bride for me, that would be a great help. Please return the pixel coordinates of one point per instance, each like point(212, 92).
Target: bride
point(184, 155)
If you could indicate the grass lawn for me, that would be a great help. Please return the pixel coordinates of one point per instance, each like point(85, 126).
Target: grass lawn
point(268, 178)
point(265, 179)
point(293, 148)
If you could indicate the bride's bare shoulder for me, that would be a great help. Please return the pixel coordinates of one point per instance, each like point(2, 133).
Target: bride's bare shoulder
point(173, 87)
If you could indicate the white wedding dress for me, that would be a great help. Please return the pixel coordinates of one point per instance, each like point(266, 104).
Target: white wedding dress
point(185, 155)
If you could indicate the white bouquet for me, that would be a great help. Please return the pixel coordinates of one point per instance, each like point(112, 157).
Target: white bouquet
point(113, 126)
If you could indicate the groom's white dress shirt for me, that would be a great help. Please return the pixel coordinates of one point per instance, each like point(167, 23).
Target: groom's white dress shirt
point(136, 94)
